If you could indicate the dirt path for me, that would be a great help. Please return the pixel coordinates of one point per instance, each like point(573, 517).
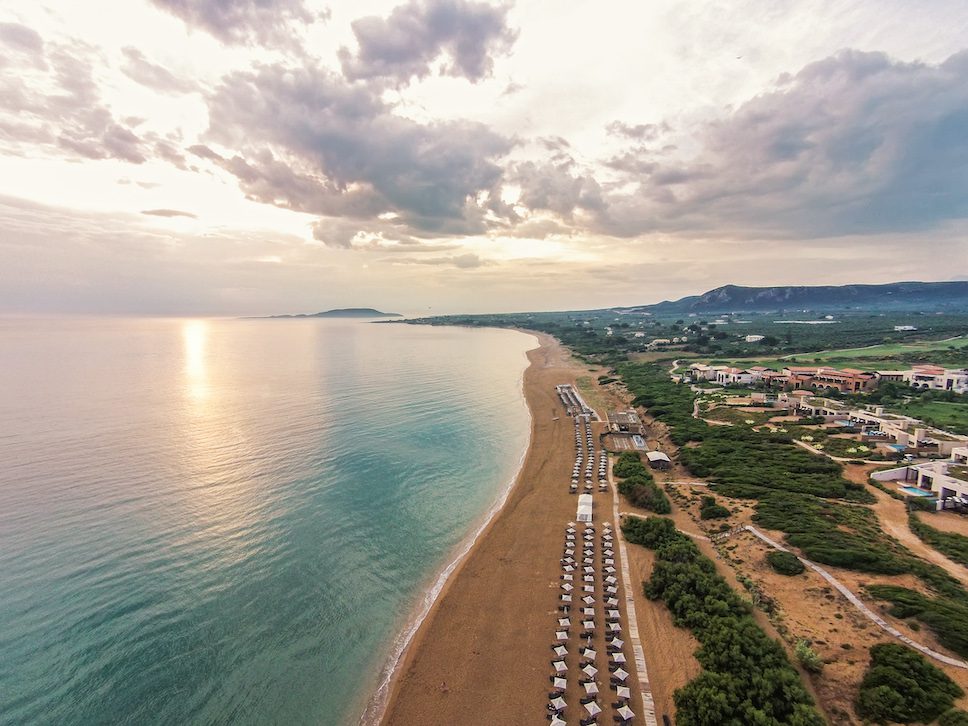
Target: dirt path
point(893, 517)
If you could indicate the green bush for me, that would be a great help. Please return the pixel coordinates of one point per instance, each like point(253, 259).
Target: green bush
point(807, 656)
point(901, 686)
point(922, 504)
point(953, 717)
point(710, 509)
point(746, 677)
point(638, 486)
point(950, 544)
point(786, 563)
point(947, 617)
point(629, 464)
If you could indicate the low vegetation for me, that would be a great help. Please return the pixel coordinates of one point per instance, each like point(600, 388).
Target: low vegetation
point(947, 616)
point(786, 563)
point(710, 509)
point(953, 717)
point(900, 686)
point(807, 656)
point(638, 486)
point(746, 677)
point(952, 545)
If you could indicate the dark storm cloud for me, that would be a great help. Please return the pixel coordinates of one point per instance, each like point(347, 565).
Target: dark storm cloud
point(308, 140)
point(414, 36)
point(244, 22)
point(853, 144)
point(139, 69)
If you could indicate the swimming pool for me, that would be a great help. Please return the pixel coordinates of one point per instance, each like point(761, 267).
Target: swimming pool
point(914, 491)
point(897, 447)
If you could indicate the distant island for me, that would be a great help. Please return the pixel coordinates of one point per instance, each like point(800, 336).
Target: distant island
point(343, 313)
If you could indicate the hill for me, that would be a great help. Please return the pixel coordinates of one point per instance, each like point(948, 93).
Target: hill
point(914, 296)
point(344, 313)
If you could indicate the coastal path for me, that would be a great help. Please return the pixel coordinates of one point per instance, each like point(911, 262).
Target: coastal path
point(856, 602)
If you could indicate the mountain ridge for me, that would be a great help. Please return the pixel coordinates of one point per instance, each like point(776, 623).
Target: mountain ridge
point(739, 298)
point(343, 313)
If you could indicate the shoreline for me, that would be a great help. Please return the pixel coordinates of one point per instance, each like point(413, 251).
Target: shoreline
point(377, 705)
point(479, 655)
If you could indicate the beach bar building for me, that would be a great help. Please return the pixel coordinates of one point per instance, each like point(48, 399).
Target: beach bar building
point(584, 508)
point(658, 460)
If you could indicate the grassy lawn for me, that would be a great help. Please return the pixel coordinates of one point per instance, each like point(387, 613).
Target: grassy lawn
point(948, 416)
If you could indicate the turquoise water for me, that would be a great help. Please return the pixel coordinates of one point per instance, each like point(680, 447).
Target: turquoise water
point(230, 521)
point(914, 491)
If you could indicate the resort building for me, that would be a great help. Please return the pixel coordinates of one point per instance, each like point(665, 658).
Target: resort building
point(658, 460)
point(753, 338)
point(905, 431)
point(936, 378)
point(848, 380)
point(733, 377)
point(624, 422)
point(946, 480)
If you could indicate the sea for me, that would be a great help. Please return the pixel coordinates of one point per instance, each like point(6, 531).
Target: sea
point(236, 521)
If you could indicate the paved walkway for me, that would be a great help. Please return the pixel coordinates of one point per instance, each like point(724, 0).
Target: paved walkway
point(856, 602)
point(648, 703)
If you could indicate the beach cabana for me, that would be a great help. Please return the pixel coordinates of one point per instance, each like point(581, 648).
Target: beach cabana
point(584, 508)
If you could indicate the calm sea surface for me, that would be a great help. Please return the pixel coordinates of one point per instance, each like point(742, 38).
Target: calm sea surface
point(230, 521)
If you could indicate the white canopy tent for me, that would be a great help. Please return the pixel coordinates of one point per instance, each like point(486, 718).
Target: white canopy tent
point(584, 508)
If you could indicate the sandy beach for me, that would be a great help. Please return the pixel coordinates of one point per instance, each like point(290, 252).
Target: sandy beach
point(482, 656)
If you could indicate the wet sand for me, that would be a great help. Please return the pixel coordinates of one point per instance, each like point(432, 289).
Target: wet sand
point(483, 654)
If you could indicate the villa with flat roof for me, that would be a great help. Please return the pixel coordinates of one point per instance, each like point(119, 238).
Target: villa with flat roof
point(946, 480)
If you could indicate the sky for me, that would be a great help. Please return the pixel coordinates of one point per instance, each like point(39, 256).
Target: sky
point(246, 157)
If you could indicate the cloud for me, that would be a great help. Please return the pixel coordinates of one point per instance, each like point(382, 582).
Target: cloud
point(55, 102)
point(168, 213)
point(141, 70)
point(642, 132)
point(244, 22)
point(307, 140)
point(414, 36)
point(857, 143)
point(21, 38)
point(468, 261)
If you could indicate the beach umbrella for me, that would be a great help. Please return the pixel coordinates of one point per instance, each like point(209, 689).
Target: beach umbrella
point(617, 643)
point(609, 570)
point(560, 683)
point(561, 635)
point(558, 704)
point(555, 721)
point(611, 601)
point(588, 560)
point(611, 590)
point(588, 588)
point(618, 657)
point(588, 578)
point(588, 599)
point(613, 613)
point(568, 568)
point(564, 622)
point(560, 666)
point(588, 624)
point(622, 692)
point(567, 578)
point(590, 654)
point(611, 580)
point(626, 713)
point(621, 674)
point(566, 598)
point(615, 627)
point(589, 569)
point(561, 651)
point(593, 708)
point(588, 611)
point(591, 688)
point(570, 530)
point(590, 670)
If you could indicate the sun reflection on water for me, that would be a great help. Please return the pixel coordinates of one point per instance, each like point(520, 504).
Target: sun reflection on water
point(195, 340)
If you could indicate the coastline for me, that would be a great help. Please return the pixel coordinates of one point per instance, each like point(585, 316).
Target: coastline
point(377, 705)
point(478, 656)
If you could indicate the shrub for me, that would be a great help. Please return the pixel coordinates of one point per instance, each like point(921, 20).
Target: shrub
point(901, 686)
point(711, 510)
point(947, 617)
point(629, 464)
point(950, 544)
point(922, 504)
point(953, 717)
point(807, 656)
point(746, 675)
point(638, 486)
point(786, 563)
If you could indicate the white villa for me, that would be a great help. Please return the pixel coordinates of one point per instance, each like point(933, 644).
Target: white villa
point(947, 480)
